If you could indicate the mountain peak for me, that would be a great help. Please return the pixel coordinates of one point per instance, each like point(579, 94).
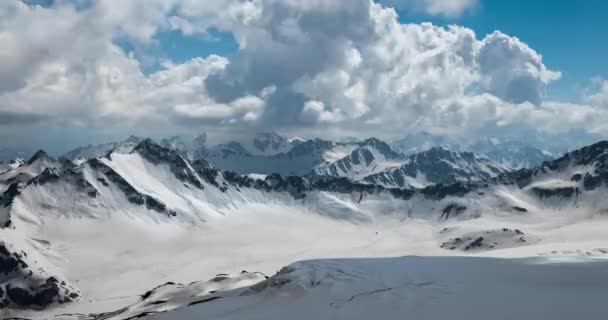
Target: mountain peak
point(270, 143)
point(39, 155)
point(231, 149)
point(597, 152)
point(149, 146)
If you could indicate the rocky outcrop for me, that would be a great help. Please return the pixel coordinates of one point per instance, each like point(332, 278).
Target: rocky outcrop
point(129, 191)
point(41, 291)
point(487, 240)
point(438, 166)
point(178, 165)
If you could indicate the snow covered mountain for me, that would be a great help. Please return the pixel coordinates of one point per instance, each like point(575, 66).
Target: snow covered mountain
point(107, 226)
point(513, 154)
point(437, 165)
point(175, 143)
point(372, 156)
point(420, 142)
point(21, 172)
point(268, 144)
point(508, 152)
point(97, 151)
point(11, 164)
point(301, 159)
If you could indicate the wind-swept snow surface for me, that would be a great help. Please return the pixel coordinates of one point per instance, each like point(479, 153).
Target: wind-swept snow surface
point(418, 288)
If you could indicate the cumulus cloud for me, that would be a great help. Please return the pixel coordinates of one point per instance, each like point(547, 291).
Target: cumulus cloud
point(511, 70)
point(310, 65)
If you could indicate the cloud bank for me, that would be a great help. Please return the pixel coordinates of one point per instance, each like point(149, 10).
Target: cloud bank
point(314, 66)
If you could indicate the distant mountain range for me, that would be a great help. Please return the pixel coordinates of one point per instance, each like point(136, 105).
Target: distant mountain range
point(370, 161)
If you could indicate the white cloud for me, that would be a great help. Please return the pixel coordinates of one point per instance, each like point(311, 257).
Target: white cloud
point(600, 97)
point(306, 64)
point(511, 70)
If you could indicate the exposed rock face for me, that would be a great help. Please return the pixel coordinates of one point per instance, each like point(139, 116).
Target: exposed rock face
point(564, 193)
point(39, 155)
point(452, 209)
point(372, 156)
point(157, 155)
point(594, 156)
point(487, 240)
point(42, 290)
point(50, 175)
point(298, 186)
point(207, 172)
point(129, 191)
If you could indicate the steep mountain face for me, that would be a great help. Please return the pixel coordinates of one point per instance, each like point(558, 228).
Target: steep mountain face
point(512, 154)
point(373, 156)
point(437, 166)
point(25, 284)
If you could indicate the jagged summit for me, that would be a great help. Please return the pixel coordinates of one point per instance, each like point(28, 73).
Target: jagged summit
point(438, 165)
point(371, 156)
point(39, 155)
point(595, 153)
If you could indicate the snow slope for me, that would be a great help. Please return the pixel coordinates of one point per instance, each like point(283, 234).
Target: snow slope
point(418, 288)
